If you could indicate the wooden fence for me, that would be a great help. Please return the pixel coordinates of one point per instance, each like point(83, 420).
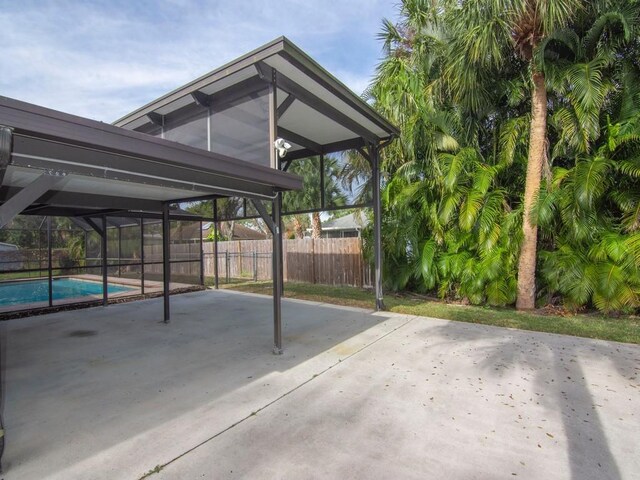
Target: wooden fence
point(328, 261)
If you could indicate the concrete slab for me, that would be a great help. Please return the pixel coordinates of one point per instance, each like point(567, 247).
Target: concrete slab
point(356, 395)
point(112, 392)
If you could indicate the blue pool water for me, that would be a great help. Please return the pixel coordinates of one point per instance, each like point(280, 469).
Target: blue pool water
point(31, 291)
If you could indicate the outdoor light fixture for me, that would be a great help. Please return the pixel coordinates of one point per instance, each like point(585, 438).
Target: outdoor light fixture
point(282, 146)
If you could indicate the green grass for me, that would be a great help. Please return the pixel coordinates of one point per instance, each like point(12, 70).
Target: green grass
point(25, 275)
point(620, 329)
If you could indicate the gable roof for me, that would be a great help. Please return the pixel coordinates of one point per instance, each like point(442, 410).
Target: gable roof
point(316, 112)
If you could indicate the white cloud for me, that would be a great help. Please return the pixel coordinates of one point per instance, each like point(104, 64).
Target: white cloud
point(104, 60)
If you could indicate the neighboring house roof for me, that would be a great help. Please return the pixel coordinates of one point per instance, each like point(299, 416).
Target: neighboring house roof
point(353, 221)
point(241, 232)
point(5, 247)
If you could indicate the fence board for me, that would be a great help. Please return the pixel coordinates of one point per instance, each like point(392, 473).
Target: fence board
point(329, 261)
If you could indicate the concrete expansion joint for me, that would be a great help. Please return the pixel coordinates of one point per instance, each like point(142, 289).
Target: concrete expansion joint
point(339, 361)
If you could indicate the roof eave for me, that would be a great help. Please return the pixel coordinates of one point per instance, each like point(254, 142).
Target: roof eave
point(277, 46)
point(260, 53)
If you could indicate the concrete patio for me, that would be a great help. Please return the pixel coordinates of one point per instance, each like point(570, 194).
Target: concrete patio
point(112, 393)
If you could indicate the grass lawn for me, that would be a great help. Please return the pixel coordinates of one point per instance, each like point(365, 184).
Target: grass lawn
point(24, 275)
point(620, 329)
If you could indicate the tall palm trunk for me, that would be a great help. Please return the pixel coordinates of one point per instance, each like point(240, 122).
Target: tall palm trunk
point(297, 227)
point(316, 225)
point(537, 155)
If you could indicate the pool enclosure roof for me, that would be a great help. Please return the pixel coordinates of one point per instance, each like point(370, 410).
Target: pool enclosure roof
point(53, 163)
point(316, 113)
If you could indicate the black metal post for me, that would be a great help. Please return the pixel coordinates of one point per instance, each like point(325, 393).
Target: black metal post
point(255, 266)
point(277, 260)
point(119, 251)
point(281, 247)
point(166, 266)
point(277, 279)
point(105, 271)
point(50, 261)
point(377, 228)
point(201, 257)
point(215, 243)
point(40, 252)
point(142, 255)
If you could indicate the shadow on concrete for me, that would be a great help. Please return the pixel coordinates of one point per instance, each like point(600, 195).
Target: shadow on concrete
point(557, 366)
point(115, 398)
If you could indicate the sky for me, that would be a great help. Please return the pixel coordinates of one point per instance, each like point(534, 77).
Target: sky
point(104, 59)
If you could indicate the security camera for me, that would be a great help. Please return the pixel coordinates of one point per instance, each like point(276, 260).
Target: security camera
point(282, 146)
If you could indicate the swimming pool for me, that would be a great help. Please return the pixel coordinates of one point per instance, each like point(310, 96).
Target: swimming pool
point(32, 291)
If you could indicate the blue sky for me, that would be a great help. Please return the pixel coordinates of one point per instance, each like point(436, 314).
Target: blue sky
point(103, 59)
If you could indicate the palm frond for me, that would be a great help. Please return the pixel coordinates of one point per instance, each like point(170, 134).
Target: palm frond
point(623, 18)
point(590, 180)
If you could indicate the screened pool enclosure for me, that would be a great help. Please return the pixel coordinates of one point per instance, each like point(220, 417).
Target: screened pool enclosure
point(50, 261)
point(109, 203)
point(92, 212)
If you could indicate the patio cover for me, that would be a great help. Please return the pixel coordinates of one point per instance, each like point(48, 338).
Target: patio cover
point(278, 89)
point(60, 164)
point(316, 113)
point(52, 163)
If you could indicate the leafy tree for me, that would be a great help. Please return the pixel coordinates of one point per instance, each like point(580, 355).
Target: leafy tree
point(482, 91)
point(487, 36)
point(589, 209)
point(310, 195)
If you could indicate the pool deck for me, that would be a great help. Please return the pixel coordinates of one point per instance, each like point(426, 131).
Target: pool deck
point(113, 393)
point(150, 287)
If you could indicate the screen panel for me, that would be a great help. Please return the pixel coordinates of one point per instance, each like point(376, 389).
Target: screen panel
point(241, 130)
point(188, 126)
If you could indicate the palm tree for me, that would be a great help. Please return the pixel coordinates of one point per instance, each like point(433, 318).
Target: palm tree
point(589, 210)
point(448, 225)
point(310, 196)
point(490, 35)
point(454, 181)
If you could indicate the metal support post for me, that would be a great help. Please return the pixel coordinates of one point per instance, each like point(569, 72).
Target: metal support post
point(255, 267)
point(215, 243)
point(377, 226)
point(142, 255)
point(277, 280)
point(166, 266)
point(40, 251)
point(277, 261)
point(105, 293)
point(50, 261)
point(281, 247)
point(227, 267)
point(201, 257)
point(119, 251)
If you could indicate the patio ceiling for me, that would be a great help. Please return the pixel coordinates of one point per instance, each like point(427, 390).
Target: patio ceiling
point(316, 113)
point(56, 163)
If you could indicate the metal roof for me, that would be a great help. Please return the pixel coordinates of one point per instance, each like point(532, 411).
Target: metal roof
point(352, 221)
point(83, 165)
point(316, 112)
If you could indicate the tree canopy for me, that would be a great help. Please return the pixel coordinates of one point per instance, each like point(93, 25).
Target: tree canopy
point(484, 92)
